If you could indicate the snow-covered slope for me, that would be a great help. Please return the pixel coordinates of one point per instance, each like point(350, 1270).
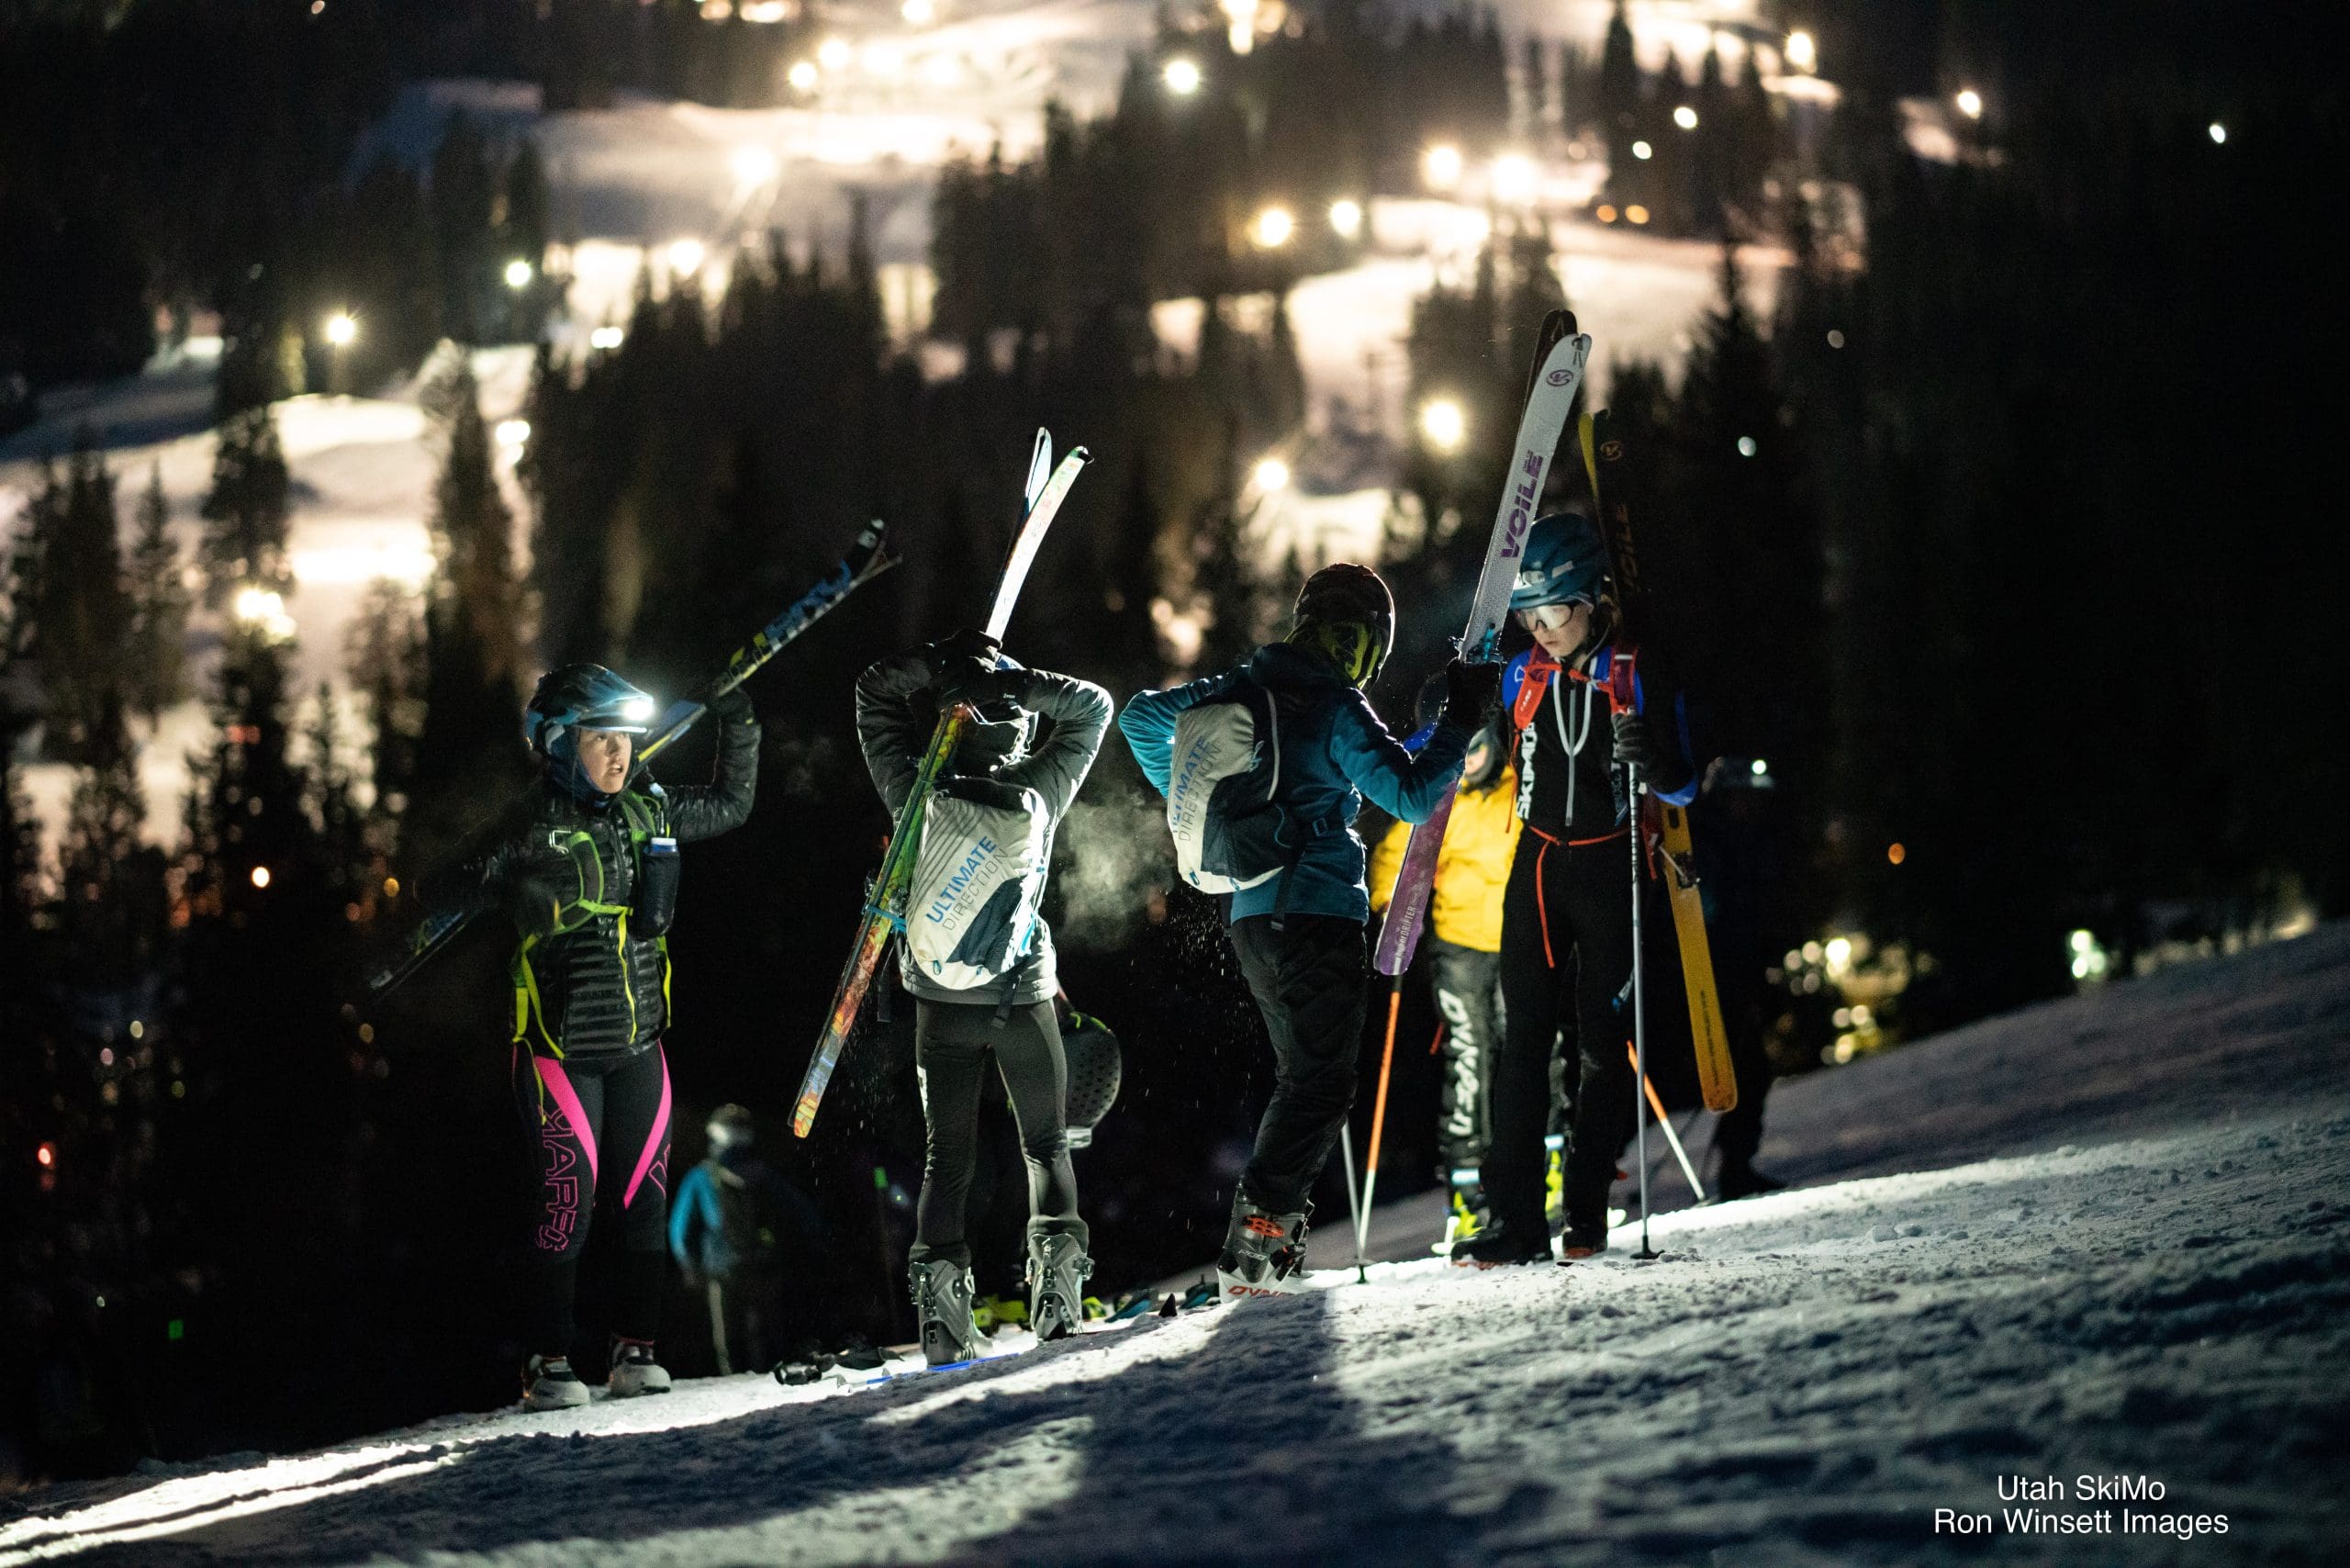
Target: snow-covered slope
point(1802, 1379)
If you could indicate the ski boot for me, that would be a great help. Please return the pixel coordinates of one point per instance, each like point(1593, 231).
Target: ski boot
point(549, 1384)
point(1586, 1235)
point(1464, 1206)
point(1057, 1267)
point(635, 1370)
point(1742, 1180)
point(1501, 1242)
point(942, 1290)
point(1264, 1254)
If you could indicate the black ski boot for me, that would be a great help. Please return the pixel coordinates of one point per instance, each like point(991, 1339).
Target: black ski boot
point(1743, 1181)
point(942, 1292)
point(1057, 1268)
point(1264, 1254)
point(1503, 1242)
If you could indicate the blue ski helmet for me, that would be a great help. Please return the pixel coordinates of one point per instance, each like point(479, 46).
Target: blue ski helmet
point(576, 697)
point(1563, 561)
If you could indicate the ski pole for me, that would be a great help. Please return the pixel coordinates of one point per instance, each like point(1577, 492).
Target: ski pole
point(1378, 1117)
point(1354, 1195)
point(1639, 1017)
point(1657, 1104)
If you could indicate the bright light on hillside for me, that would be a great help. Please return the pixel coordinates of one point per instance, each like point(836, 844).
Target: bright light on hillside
point(1440, 167)
point(1270, 474)
point(832, 54)
point(1970, 102)
point(1686, 118)
point(518, 274)
point(1443, 423)
point(1181, 76)
point(1514, 176)
point(919, 12)
point(686, 257)
point(752, 165)
point(802, 76)
point(343, 329)
point(1345, 218)
point(1273, 227)
point(1802, 54)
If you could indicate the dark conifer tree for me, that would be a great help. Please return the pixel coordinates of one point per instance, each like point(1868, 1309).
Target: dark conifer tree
point(112, 883)
point(247, 507)
point(160, 601)
point(1619, 106)
point(73, 565)
point(384, 659)
point(473, 646)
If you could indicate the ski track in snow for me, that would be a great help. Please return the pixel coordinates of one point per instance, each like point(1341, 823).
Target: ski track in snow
point(1803, 1379)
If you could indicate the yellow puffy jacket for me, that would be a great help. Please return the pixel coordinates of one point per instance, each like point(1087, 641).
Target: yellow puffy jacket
point(1470, 870)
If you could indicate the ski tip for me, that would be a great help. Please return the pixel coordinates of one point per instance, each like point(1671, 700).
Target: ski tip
point(1079, 455)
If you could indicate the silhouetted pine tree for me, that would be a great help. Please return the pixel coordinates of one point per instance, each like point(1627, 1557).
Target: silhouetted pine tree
point(73, 567)
point(247, 505)
point(384, 659)
point(158, 605)
point(472, 647)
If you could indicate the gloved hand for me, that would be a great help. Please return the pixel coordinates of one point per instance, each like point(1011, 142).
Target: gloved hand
point(1471, 691)
point(963, 648)
point(733, 708)
point(1635, 746)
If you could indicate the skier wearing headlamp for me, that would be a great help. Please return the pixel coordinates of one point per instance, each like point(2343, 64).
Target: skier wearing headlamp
point(589, 879)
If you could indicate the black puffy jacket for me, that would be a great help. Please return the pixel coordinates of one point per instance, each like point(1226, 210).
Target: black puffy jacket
point(586, 983)
point(896, 711)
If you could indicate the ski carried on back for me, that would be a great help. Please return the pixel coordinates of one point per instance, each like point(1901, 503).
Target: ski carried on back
point(1613, 483)
point(865, 561)
point(1559, 357)
point(885, 915)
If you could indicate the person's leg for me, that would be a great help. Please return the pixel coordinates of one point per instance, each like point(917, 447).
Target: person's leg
point(1519, 1087)
point(1308, 982)
point(637, 1131)
point(1465, 980)
point(1599, 909)
point(1739, 1133)
point(722, 1312)
point(950, 1053)
point(1035, 1077)
point(562, 1113)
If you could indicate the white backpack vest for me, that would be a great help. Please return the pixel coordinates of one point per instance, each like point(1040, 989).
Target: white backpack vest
point(979, 878)
point(1228, 760)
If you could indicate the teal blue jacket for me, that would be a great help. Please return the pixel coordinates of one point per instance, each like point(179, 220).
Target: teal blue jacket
point(1335, 753)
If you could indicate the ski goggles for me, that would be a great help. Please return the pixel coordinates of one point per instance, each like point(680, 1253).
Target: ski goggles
point(1551, 617)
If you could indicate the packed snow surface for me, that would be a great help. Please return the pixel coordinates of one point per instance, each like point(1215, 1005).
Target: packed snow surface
point(2102, 1241)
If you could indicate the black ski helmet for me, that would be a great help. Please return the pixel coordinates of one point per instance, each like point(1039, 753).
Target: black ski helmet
point(1345, 595)
point(1096, 1066)
point(582, 696)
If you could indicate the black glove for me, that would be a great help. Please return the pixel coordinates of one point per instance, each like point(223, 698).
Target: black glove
point(733, 708)
point(964, 647)
point(1636, 747)
point(1471, 691)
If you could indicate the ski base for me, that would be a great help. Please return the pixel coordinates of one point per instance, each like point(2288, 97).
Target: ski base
point(1716, 1079)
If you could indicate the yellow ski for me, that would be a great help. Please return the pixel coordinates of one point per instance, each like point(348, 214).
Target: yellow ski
point(1714, 1075)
